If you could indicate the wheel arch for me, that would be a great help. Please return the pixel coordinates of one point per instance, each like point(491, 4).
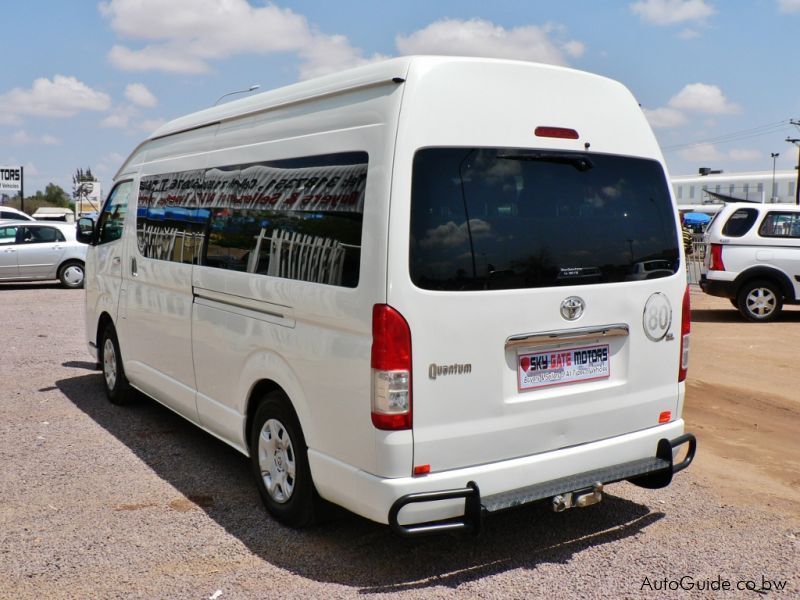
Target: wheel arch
point(291, 388)
point(770, 274)
point(103, 320)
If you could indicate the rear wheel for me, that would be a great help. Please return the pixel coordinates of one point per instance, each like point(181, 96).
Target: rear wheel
point(760, 301)
point(71, 274)
point(114, 380)
point(280, 462)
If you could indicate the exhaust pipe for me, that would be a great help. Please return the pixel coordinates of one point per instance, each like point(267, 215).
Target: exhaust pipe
point(580, 498)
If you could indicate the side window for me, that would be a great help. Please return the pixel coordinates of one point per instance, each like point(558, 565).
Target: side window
point(112, 219)
point(8, 235)
point(740, 222)
point(297, 218)
point(777, 224)
point(40, 235)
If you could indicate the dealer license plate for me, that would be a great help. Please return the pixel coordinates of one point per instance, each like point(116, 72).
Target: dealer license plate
point(562, 366)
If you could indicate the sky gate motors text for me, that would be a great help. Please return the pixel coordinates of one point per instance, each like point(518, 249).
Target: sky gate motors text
point(568, 358)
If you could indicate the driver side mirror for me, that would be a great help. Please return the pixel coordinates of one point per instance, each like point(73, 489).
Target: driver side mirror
point(85, 230)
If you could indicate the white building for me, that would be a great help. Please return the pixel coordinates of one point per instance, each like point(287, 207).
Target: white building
point(698, 191)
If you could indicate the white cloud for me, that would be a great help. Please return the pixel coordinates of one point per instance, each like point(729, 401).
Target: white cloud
point(706, 152)
point(665, 117)
point(328, 54)
point(700, 98)
point(120, 117)
point(789, 6)
point(60, 97)
point(478, 37)
point(671, 12)
point(23, 138)
point(193, 33)
point(743, 154)
point(150, 125)
point(140, 95)
point(703, 98)
point(701, 153)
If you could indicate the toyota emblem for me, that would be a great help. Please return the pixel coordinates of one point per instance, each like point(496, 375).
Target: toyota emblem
point(572, 308)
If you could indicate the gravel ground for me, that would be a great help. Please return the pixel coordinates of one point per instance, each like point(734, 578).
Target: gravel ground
point(104, 502)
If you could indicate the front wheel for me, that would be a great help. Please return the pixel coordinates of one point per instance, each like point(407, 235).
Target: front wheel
point(760, 301)
point(280, 462)
point(71, 274)
point(114, 380)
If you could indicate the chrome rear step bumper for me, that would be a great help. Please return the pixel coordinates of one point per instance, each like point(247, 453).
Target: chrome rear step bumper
point(653, 472)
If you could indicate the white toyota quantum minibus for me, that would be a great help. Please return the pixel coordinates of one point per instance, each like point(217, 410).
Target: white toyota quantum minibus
point(413, 289)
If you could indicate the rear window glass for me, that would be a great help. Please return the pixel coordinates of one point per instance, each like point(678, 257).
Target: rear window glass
point(500, 218)
point(740, 222)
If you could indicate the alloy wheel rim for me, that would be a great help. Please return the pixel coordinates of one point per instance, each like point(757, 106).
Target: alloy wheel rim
point(761, 302)
point(109, 364)
point(276, 461)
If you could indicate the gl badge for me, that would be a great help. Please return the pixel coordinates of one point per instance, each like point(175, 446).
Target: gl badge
point(572, 308)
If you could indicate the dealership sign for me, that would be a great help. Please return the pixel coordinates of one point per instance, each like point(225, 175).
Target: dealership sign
point(10, 180)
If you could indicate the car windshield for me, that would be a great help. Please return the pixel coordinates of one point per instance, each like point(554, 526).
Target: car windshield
point(499, 218)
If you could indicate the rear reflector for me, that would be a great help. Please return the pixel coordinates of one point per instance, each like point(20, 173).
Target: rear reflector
point(665, 417)
point(391, 369)
point(422, 469)
point(716, 258)
point(563, 133)
point(686, 326)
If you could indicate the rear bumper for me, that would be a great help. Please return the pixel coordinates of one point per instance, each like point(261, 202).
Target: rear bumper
point(373, 497)
point(654, 472)
point(716, 287)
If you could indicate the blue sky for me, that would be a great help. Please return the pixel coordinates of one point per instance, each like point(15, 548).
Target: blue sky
point(84, 82)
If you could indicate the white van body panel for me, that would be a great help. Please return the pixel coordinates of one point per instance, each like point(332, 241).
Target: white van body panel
point(206, 341)
point(479, 418)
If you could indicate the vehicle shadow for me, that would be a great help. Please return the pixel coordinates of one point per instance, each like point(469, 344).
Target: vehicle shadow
point(708, 315)
point(33, 285)
point(348, 550)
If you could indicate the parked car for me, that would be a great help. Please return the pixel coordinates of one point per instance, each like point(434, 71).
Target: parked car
point(753, 258)
point(32, 251)
point(6, 212)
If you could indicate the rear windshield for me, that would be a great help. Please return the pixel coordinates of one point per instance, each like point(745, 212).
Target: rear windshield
point(740, 222)
point(502, 218)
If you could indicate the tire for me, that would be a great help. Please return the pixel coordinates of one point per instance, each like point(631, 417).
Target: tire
point(71, 274)
point(760, 301)
point(117, 388)
point(279, 459)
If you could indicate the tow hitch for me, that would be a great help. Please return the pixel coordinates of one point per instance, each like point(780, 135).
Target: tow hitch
point(580, 498)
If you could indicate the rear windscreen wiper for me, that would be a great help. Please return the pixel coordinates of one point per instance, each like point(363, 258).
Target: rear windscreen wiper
point(581, 163)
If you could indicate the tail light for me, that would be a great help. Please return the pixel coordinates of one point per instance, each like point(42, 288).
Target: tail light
point(716, 258)
point(686, 325)
point(391, 369)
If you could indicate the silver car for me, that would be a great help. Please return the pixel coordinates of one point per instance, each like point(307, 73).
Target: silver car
point(31, 250)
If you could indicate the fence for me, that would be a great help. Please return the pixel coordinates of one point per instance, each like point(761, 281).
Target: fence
point(695, 266)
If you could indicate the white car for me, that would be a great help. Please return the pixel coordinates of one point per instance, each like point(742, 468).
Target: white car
point(31, 251)
point(753, 258)
point(6, 212)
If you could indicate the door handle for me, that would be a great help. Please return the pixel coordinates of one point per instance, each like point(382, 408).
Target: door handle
point(116, 260)
point(134, 269)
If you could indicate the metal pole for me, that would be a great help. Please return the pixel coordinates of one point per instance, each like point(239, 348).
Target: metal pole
point(796, 142)
point(774, 156)
point(22, 189)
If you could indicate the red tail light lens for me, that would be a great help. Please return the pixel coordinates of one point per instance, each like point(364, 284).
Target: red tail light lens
point(391, 369)
point(686, 326)
point(716, 258)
